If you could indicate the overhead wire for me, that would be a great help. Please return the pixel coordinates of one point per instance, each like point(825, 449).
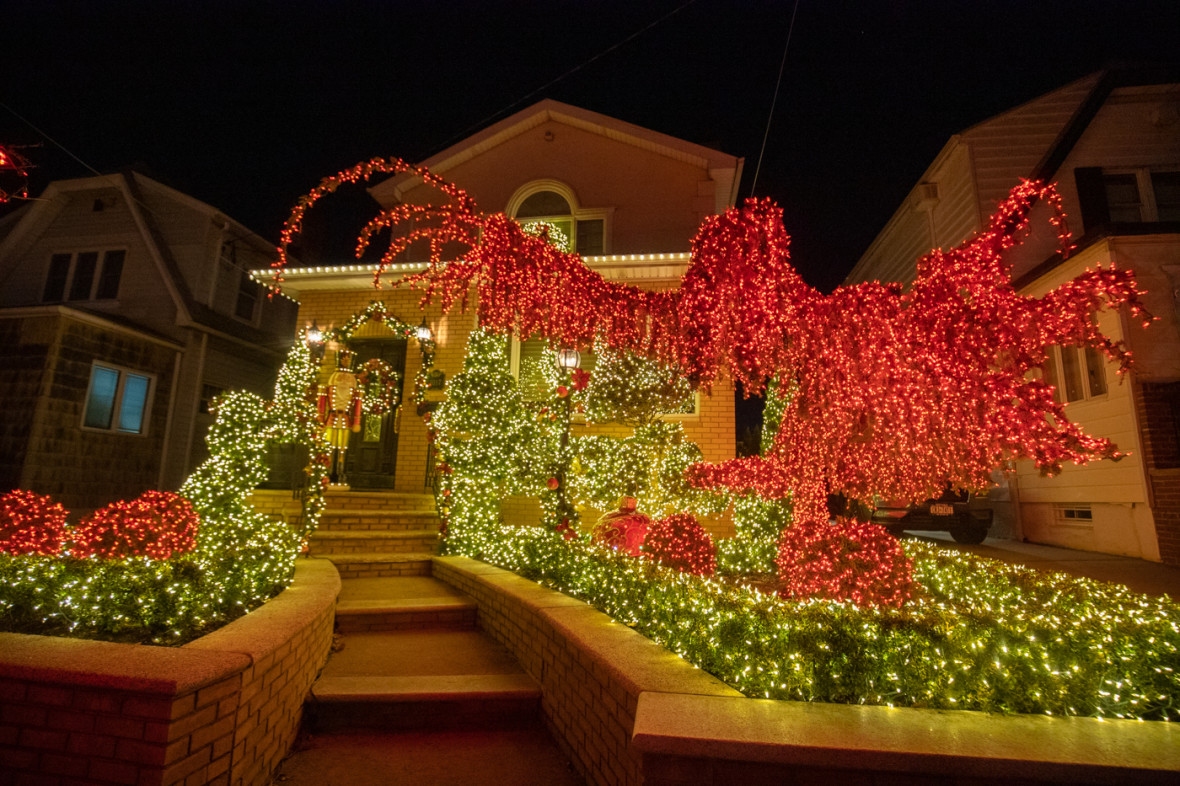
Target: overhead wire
point(774, 99)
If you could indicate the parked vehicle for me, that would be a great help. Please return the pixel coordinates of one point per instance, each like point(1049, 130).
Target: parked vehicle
point(951, 512)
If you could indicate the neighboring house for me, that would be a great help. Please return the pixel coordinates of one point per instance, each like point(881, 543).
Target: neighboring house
point(630, 201)
point(1111, 142)
point(125, 306)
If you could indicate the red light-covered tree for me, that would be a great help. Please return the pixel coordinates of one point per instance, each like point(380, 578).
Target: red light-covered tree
point(891, 393)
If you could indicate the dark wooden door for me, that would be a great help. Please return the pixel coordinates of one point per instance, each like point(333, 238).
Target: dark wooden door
point(372, 452)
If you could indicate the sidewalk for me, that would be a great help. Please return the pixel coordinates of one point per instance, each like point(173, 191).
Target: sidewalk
point(1149, 578)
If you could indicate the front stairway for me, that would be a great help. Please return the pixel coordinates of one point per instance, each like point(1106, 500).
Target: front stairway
point(414, 691)
point(373, 534)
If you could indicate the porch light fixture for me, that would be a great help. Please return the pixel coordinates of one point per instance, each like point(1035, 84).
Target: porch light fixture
point(315, 342)
point(425, 338)
point(569, 359)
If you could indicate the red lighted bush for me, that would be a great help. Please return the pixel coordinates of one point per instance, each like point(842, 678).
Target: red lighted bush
point(680, 542)
point(156, 524)
point(30, 523)
point(849, 561)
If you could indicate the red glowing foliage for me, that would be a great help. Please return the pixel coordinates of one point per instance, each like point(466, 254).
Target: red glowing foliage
point(849, 561)
point(30, 523)
point(156, 524)
point(625, 533)
point(680, 542)
point(891, 394)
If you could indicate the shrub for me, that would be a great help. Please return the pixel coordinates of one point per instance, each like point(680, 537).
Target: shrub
point(30, 523)
point(680, 542)
point(849, 560)
point(156, 524)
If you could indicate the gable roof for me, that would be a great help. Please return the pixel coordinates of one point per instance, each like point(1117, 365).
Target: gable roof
point(725, 169)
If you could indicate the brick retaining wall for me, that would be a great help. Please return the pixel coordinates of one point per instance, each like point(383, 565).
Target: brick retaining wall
point(223, 709)
point(627, 711)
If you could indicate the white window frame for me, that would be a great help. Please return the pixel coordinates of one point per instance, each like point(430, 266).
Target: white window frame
point(72, 270)
point(1073, 515)
point(117, 403)
point(1148, 207)
point(1055, 356)
point(577, 212)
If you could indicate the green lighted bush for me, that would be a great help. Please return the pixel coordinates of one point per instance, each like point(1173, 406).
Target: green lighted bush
point(979, 635)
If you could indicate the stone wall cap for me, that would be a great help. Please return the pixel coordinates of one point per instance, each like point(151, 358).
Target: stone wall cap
point(928, 742)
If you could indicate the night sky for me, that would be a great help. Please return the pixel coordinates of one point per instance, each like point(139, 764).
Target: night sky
point(246, 105)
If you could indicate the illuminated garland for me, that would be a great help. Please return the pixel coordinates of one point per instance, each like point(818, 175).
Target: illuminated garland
point(550, 232)
point(30, 523)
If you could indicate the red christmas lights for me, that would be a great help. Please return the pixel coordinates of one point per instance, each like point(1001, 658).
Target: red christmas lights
point(30, 523)
point(156, 524)
point(891, 394)
point(680, 542)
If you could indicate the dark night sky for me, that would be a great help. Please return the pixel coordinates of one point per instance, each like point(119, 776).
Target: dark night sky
point(246, 105)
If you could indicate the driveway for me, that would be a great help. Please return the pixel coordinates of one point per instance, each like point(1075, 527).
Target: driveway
point(1150, 578)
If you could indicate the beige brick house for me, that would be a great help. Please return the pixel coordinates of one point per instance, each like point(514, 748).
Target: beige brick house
point(1111, 142)
point(629, 200)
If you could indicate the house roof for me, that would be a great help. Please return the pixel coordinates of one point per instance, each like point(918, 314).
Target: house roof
point(725, 169)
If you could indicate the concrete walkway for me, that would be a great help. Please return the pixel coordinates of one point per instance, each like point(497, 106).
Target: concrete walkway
point(1149, 578)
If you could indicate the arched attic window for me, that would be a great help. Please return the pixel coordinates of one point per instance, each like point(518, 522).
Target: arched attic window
point(555, 203)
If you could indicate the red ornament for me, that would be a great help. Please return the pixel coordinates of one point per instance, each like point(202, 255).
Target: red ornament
point(553, 484)
point(623, 529)
point(562, 391)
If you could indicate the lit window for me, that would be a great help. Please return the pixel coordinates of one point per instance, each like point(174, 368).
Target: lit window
point(117, 400)
point(87, 275)
point(1076, 373)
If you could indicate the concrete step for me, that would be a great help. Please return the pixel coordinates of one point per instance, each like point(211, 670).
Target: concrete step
point(377, 500)
point(370, 541)
point(422, 679)
point(381, 564)
point(361, 520)
point(424, 703)
point(365, 614)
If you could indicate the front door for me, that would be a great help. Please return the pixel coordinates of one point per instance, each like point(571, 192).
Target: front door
point(372, 452)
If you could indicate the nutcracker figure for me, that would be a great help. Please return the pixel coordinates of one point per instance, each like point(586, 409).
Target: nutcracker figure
point(339, 408)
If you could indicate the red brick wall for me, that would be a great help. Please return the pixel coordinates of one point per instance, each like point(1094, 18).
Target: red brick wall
point(223, 709)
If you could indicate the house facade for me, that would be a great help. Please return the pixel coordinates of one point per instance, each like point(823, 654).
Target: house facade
point(627, 199)
point(1111, 143)
point(125, 307)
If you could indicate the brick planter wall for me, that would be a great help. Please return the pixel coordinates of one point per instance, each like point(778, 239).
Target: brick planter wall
point(223, 709)
point(627, 711)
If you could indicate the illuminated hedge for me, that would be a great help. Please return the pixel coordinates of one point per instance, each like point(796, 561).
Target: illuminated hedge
point(156, 524)
point(681, 543)
point(979, 635)
point(30, 523)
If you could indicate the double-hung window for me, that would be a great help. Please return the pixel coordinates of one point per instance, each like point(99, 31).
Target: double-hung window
point(85, 275)
point(1077, 373)
point(118, 399)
